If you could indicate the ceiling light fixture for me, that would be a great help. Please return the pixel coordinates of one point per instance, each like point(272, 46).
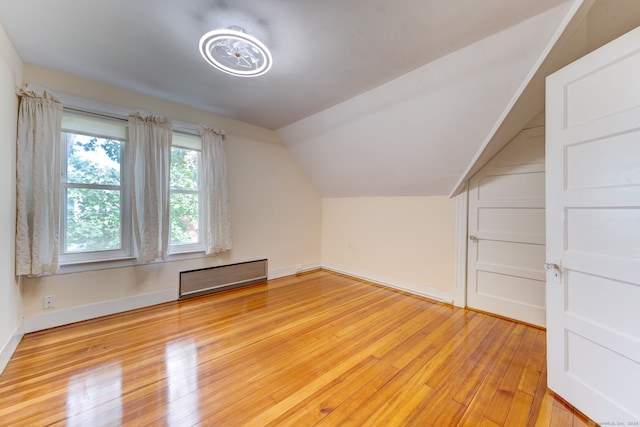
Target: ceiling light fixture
point(235, 52)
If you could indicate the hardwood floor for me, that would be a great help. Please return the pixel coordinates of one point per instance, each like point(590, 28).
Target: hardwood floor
point(318, 349)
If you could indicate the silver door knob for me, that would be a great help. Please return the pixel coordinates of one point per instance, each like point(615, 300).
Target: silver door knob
point(473, 238)
point(551, 266)
point(554, 269)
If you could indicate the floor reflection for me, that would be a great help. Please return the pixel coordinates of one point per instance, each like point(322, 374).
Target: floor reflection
point(181, 359)
point(94, 397)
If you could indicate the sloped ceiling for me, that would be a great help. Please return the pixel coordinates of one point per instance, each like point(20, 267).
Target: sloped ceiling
point(373, 98)
point(594, 23)
point(417, 134)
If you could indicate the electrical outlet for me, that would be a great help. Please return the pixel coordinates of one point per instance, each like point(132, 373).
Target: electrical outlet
point(49, 301)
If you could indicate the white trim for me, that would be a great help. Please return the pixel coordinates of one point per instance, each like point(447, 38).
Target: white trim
point(52, 319)
point(460, 263)
point(10, 347)
point(424, 291)
point(292, 270)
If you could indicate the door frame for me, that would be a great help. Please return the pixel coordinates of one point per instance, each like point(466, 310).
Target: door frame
point(461, 242)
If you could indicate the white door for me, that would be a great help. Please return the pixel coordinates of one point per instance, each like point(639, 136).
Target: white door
point(593, 232)
point(506, 251)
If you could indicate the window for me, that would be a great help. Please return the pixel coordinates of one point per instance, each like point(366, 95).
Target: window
point(95, 209)
point(95, 216)
point(185, 177)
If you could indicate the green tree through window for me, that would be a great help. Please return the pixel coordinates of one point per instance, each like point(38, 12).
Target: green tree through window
point(96, 210)
point(93, 194)
point(184, 196)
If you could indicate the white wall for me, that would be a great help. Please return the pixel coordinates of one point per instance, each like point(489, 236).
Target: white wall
point(276, 214)
point(403, 242)
point(10, 298)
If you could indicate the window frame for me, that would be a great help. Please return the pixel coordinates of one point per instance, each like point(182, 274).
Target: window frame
point(127, 246)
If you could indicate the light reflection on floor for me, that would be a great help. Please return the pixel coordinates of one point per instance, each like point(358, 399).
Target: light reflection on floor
point(181, 359)
point(94, 397)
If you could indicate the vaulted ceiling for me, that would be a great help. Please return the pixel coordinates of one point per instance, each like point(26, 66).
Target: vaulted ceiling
point(372, 97)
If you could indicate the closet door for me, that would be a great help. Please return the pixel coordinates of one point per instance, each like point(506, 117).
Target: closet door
point(506, 251)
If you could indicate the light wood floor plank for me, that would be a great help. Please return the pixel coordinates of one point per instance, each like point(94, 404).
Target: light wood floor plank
point(318, 349)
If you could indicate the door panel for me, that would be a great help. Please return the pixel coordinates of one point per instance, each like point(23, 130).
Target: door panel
point(511, 288)
point(596, 164)
point(624, 318)
point(593, 232)
point(584, 370)
point(506, 219)
point(525, 221)
point(518, 186)
point(604, 231)
point(525, 257)
point(603, 92)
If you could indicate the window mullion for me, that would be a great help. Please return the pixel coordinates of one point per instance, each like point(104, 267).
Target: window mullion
point(93, 186)
point(182, 191)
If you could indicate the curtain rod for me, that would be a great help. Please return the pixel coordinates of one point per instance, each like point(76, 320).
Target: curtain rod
point(98, 108)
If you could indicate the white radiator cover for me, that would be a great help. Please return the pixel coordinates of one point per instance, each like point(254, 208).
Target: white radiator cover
point(215, 279)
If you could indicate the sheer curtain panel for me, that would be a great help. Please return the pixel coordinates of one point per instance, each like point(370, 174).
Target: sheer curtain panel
point(38, 184)
point(217, 221)
point(149, 163)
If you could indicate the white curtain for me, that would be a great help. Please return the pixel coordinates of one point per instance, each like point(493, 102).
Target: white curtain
point(38, 184)
point(217, 222)
point(149, 163)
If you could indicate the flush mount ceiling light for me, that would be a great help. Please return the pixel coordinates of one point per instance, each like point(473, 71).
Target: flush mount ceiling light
point(235, 52)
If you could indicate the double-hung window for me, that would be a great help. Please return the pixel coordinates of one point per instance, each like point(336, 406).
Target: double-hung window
point(96, 217)
point(95, 213)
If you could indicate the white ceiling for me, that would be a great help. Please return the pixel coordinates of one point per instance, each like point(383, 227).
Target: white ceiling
point(372, 97)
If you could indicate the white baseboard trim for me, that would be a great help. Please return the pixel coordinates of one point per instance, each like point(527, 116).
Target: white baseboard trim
point(459, 298)
point(10, 347)
point(42, 321)
point(293, 270)
point(413, 288)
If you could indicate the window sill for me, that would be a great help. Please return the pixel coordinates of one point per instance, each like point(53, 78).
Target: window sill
point(78, 267)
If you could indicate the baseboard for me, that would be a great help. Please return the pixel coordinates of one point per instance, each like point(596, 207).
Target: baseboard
point(293, 269)
point(10, 347)
point(42, 321)
point(427, 292)
point(459, 298)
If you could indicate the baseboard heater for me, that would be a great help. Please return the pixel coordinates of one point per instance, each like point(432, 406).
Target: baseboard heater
point(215, 279)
